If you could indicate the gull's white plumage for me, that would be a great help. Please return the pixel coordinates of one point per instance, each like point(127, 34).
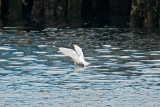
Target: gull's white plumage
point(79, 51)
point(76, 55)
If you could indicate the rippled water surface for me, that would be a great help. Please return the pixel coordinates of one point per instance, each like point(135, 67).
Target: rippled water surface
point(124, 70)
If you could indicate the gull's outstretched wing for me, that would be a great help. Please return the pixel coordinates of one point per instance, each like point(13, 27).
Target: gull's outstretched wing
point(79, 51)
point(71, 53)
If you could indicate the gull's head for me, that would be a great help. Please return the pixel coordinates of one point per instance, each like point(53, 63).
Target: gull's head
point(86, 64)
point(83, 62)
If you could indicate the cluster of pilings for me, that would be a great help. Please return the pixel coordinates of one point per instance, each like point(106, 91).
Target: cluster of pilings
point(142, 13)
point(46, 8)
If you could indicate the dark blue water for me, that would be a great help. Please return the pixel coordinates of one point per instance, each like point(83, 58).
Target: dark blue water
point(124, 70)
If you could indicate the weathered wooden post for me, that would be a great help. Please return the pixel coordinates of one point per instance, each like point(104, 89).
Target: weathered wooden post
point(37, 7)
point(74, 8)
point(48, 8)
point(0, 14)
point(145, 13)
point(74, 12)
point(0, 7)
point(4, 8)
point(15, 9)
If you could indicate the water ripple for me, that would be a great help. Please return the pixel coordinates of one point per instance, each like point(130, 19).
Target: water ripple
point(34, 73)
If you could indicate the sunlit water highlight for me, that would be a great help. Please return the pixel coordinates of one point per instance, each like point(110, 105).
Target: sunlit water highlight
point(124, 70)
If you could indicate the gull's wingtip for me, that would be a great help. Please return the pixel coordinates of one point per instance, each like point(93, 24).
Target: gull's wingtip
point(75, 45)
point(61, 49)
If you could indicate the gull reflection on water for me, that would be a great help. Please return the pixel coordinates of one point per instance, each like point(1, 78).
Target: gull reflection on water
point(80, 69)
point(86, 68)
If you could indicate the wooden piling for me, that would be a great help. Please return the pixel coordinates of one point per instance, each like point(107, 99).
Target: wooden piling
point(74, 8)
point(0, 7)
point(15, 9)
point(145, 13)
